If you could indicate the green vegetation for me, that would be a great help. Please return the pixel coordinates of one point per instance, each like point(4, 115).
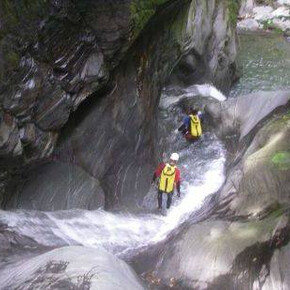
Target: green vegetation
point(277, 212)
point(269, 25)
point(20, 16)
point(286, 116)
point(17, 32)
point(282, 160)
point(179, 25)
point(233, 6)
point(13, 59)
point(141, 12)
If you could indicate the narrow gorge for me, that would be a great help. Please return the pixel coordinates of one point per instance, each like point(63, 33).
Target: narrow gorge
point(91, 96)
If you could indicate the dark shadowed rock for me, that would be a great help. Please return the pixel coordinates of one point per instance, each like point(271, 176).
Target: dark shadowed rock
point(57, 186)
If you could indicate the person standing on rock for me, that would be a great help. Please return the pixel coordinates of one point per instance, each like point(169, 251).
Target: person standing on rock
point(169, 178)
point(191, 127)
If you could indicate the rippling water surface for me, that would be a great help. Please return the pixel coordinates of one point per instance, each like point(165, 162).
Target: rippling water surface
point(264, 60)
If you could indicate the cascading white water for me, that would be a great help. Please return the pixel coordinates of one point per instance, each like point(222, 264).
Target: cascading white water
point(202, 166)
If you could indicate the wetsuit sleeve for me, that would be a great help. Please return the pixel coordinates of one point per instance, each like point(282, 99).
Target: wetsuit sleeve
point(177, 180)
point(158, 171)
point(186, 121)
point(178, 187)
point(185, 124)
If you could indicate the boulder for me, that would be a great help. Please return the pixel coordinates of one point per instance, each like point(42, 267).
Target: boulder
point(258, 173)
point(248, 24)
point(216, 254)
point(260, 180)
point(262, 13)
point(239, 116)
point(73, 267)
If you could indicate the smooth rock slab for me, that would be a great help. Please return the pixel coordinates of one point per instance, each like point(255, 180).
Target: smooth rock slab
point(72, 267)
point(58, 186)
point(209, 250)
point(242, 114)
point(261, 178)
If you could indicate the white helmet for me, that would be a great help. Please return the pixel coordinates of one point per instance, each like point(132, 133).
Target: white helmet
point(174, 156)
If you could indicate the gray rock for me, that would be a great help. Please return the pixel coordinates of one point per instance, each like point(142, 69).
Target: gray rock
point(211, 51)
point(261, 178)
point(72, 267)
point(57, 186)
point(284, 25)
point(283, 2)
point(209, 255)
point(248, 25)
point(9, 136)
point(240, 115)
point(262, 13)
point(246, 7)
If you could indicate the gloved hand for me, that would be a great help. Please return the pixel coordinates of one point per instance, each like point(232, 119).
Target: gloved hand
point(178, 194)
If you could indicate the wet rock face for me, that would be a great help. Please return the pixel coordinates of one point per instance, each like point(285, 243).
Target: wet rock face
point(56, 186)
point(212, 58)
point(86, 49)
point(260, 180)
point(234, 119)
point(257, 179)
point(12, 243)
point(54, 55)
point(71, 268)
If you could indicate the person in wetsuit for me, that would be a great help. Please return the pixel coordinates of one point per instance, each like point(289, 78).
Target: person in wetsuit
point(191, 127)
point(169, 178)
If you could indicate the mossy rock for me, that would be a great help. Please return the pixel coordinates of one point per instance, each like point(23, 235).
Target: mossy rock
point(141, 12)
point(233, 8)
point(282, 160)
